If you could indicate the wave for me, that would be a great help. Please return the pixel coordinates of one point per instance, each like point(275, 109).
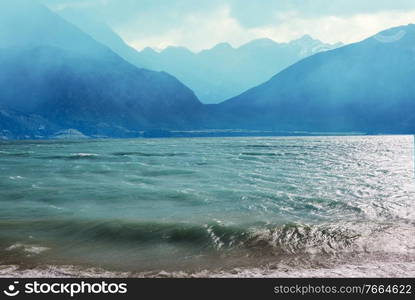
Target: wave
point(73, 156)
point(277, 146)
point(272, 154)
point(261, 154)
point(147, 154)
point(16, 154)
point(255, 250)
point(111, 156)
point(27, 249)
point(257, 238)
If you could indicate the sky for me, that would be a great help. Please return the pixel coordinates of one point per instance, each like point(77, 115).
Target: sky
point(201, 24)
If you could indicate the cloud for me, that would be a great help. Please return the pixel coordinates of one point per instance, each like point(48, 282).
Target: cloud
point(200, 24)
point(197, 31)
point(331, 29)
point(262, 12)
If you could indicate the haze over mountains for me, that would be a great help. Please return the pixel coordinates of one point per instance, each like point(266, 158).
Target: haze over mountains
point(222, 72)
point(58, 81)
point(49, 69)
point(367, 87)
point(214, 74)
point(102, 33)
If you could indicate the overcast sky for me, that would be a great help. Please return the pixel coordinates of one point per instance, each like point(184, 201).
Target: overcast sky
point(200, 24)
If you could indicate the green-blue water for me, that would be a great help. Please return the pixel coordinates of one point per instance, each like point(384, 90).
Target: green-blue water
point(210, 203)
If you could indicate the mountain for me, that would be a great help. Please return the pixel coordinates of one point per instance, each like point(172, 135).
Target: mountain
point(102, 33)
point(50, 70)
point(366, 87)
point(58, 82)
point(223, 71)
point(215, 74)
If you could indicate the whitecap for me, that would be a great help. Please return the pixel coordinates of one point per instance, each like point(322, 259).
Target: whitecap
point(29, 249)
point(84, 154)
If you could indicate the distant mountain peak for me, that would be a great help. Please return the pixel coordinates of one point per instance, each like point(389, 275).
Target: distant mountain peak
point(222, 46)
point(306, 38)
point(148, 50)
point(363, 87)
point(176, 50)
point(262, 42)
point(310, 45)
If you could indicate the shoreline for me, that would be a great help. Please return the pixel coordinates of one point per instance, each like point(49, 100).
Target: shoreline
point(365, 270)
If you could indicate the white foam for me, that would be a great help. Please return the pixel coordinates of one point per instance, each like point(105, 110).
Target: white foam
point(29, 249)
point(367, 270)
point(13, 271)
point(84, 154)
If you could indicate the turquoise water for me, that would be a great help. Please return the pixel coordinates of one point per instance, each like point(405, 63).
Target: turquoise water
point(210, 203)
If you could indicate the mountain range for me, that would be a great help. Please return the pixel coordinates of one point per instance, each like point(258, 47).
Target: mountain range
point(50, 69)
point(57, 81)
point(366, 87)
point(214, 74)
